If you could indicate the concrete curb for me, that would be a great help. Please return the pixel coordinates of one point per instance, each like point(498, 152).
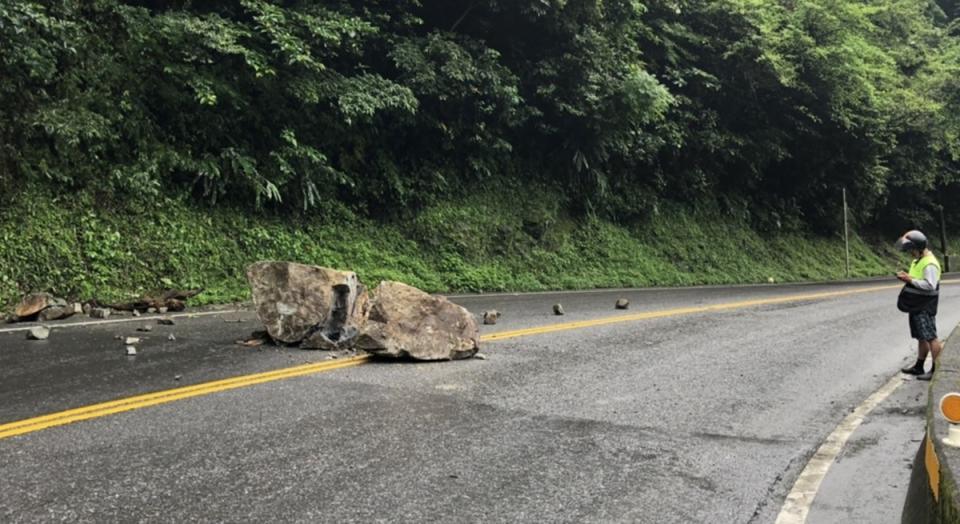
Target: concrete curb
point(932, 496)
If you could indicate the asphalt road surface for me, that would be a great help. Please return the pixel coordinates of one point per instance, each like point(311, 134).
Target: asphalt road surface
point(683, 414)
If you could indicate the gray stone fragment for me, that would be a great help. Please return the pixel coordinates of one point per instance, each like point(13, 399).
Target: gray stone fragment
point(38, 333)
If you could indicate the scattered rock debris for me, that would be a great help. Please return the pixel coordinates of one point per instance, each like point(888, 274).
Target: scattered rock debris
point(136, 313)
point(166, 321)
point(558, 309)
point(491, 317)
point(171, 337)
point(131, 341)
point(131, 351)
point(146, 328)
point(170, 300)
point(623, 303)
point(177, 377)
point(480, 356)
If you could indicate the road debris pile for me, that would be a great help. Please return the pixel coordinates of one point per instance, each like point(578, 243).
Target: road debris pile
point(320, 308)
point(167, 301)
point(44, 307)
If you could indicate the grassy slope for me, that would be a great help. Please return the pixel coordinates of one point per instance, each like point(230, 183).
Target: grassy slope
point(68, 245)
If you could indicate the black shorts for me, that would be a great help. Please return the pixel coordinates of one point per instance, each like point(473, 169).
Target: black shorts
point(923, 326)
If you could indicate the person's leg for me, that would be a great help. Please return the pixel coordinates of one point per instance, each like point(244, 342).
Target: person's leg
point(922, 347)
point(929, 332)
point(935, 347)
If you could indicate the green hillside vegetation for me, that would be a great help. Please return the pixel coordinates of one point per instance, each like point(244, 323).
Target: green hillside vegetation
point(469, 145)
point(489, 243)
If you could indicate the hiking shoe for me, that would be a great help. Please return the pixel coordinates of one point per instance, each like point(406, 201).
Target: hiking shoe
point(912, 370)
point(926, 376)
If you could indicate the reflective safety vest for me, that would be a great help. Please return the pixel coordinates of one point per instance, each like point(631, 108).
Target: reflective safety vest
point(920, 265)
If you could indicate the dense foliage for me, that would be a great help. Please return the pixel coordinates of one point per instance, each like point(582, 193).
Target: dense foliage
point(768, 107)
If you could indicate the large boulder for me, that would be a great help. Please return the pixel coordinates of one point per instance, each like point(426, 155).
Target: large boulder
point(319, 307)
point(404, 321)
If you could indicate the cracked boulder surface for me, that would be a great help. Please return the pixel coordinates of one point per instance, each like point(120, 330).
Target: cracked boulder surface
point(317, 307)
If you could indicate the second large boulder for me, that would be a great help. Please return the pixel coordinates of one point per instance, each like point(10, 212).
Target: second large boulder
point(406, 322)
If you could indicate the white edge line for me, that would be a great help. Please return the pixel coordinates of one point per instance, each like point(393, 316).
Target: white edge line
point(144, 318)
point(800, 499)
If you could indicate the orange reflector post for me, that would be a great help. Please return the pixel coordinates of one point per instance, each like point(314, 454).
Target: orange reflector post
point(950, 407)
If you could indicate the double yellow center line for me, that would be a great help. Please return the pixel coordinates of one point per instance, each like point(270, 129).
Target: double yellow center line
point(104, 409)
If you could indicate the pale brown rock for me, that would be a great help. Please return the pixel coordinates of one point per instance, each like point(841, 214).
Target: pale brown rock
point(623, 303)
point(405, 321)
point(321, 307)
point(32, 304)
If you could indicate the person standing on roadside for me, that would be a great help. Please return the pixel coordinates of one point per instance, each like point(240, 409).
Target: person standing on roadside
point(920, 297)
